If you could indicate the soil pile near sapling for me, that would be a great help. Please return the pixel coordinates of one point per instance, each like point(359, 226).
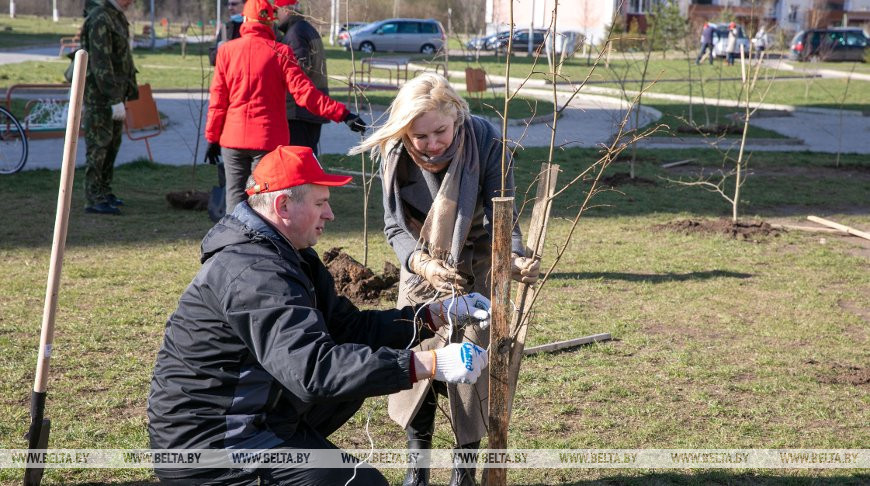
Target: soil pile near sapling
point(195, 200)
point(624, 179)
point(357, 282)
point(740, 230)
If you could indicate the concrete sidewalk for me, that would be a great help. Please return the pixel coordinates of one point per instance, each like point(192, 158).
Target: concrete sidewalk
point(588, 122)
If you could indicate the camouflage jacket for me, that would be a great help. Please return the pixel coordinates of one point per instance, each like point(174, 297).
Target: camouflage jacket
point(111, 75)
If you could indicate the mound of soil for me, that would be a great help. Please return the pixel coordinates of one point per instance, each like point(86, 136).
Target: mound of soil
point(195, 200)
point(624, 178)
point(356, 281)
point(718, 129)
point(739, 230)
point(846, 375)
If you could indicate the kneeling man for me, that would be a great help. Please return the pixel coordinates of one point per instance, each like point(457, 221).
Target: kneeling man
point(262, 353)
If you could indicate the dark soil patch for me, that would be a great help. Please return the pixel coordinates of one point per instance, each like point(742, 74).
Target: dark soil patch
point(712, 129)
point(846, 375)
point(195, 200)
point(356, 281)
point(848, 166)
point(624, 157)
point(623, 179)
point(739, 230)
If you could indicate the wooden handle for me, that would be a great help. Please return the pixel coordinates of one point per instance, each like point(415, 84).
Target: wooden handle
point(64, 195)
point(841, 227)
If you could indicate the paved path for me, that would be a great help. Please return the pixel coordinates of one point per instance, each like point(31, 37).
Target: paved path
point(591, 120)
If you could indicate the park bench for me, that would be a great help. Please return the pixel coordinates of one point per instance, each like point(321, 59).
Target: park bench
point(72, 43)
point(45, 108)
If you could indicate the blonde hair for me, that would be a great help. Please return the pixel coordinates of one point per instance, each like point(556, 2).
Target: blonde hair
point(427, 92)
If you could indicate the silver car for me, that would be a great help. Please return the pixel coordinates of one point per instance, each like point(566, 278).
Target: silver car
point(399, 35)
point(720, 40)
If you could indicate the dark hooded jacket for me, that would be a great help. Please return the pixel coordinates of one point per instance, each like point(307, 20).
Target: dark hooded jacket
point(259, 338)
point(305, 41)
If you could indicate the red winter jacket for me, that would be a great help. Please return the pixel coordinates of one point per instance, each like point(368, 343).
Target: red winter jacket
point(251, 78)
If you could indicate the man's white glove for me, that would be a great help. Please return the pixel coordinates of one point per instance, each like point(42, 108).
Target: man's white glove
point(437, 272)
point(119, 112)
point(525, 270)
point(459, 362)
point(472, 308)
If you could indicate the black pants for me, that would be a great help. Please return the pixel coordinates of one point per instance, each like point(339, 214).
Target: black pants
point(238, 165)
point(704, 48)
point(305, 134)
point(311, 434)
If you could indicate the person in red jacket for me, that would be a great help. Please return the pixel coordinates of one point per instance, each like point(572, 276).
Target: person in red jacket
point(246, 113)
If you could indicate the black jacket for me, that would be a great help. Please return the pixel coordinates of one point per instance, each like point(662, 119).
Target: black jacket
point(259, 338)
point(307, 45)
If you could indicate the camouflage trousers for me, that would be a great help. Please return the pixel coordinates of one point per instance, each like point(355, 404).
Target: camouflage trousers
point(102, 141)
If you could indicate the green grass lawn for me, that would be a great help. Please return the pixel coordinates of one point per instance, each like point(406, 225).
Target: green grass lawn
point(719, 343)
point(856, 67)
point(30, 30)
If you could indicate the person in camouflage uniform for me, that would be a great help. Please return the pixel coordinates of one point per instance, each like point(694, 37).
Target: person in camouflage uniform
point(111, 80)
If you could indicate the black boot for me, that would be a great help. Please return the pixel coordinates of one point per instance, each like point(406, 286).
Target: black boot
point(464, 465)
point(419, 433)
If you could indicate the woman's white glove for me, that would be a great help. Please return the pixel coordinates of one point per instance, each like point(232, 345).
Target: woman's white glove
point(525, 270)
point(459, 363)
point(437, 272)
point(119, 112)
point(472, 308)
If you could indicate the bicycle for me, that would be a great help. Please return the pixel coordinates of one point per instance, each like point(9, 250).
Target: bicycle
point(13, 143)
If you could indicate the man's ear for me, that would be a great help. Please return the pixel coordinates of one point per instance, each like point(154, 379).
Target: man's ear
point(281, 206)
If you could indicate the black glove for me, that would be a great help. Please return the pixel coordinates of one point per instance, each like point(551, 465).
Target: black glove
point(355, 123)
point(212, 153)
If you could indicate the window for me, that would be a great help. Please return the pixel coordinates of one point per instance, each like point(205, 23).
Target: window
point(429, 28)
point(856, 39)
point(389, 28)
point(409, 27)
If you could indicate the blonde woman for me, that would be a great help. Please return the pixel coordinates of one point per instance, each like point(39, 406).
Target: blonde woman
point(440, 168)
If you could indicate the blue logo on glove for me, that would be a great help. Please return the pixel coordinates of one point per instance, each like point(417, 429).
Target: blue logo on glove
point(466, 356)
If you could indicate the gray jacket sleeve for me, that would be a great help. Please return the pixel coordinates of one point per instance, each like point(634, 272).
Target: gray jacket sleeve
point(490, 146)
point(403, 243)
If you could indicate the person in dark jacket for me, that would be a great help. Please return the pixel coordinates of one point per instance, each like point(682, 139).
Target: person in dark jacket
point(246, 118)
point(111, 81)
point(300, 36)
point(706, 43)
point(262, 353)
point(229, 30)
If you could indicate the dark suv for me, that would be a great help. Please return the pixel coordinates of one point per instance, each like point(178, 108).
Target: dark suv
point(834, 44)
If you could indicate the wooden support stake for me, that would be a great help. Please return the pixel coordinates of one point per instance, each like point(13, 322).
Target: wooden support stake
point(499, 333)
point(679, 162)
point(841, 227)
point(560, 345)
point(534, 247)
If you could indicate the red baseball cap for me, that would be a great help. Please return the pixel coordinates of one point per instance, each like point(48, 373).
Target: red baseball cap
point(291, 166)
point(260, 10)
point(285, 3)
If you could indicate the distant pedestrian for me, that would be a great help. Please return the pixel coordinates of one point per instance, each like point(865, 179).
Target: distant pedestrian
point(246, 115)
point(760, 40)
point(300, 36)
point(229, 30)
point(706, 43)
point(731, 46)
point(111, 80)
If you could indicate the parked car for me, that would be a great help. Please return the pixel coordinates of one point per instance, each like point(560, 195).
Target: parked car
point(720, 40)
point(834, 44)
point(521, 40)
point(346, 30)
point(399, 35)
point(487, 42)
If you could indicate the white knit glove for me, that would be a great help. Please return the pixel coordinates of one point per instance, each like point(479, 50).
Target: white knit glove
point(119, 112)
point(472, 308)
point(459, 363)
